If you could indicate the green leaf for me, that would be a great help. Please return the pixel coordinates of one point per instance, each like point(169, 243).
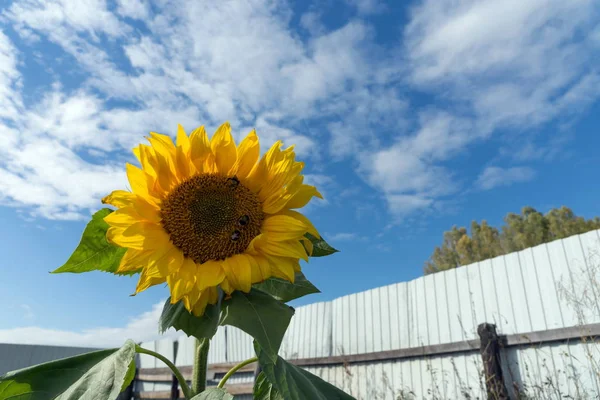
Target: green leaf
point(259, 315)
point(98, 375)
point(213, 394)
point(320, 247)
point(264, 390)
point(94, 252)
point(284, 290)
point(129, 376)
point(294, 383)
point(176, 316)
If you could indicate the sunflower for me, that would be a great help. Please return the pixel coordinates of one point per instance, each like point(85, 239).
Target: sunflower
point(204, 214)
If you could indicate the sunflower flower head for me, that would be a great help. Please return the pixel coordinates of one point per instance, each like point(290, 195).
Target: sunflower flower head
point(204, 214)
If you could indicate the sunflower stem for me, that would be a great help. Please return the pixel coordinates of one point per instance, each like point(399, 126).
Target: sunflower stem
point(235, 369)
point(184, 387)
point(200, 365)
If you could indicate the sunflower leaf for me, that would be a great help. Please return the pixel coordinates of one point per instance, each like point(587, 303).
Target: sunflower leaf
point(176, 316)
point(294, 383)
point(213, 394)
point(259, 315)
point(286, 291)
point(94, 252)
point(99, 375)
point(264, 390)
point(320, 247)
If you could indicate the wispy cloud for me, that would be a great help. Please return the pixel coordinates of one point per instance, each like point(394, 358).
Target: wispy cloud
point(140, 329)
point(345, 237)
point(488, 65)
point(492, 177)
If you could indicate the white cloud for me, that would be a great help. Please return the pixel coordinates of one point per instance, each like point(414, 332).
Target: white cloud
point(341, 236)
point(404, 204)
point(311, 21)
point(493, 65)
point(498, 64)
point(407, 172)
point(60, 18)
point(143, 328)
point(10, 100)
point(515, 62)
point(368, 6)
point(492, 177)
point(181, 74)
point(137, 9)
point(345, 237)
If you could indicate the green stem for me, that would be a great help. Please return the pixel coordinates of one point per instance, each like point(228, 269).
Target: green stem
point(235, 369)
point(184, 387)
point(200, 364)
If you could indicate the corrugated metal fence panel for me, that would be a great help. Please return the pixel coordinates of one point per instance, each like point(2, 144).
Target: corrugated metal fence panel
point(17, 356)
point(549, 286)
point(146, 361)
point(239, 345)
point(218, 347)
point(309, 332)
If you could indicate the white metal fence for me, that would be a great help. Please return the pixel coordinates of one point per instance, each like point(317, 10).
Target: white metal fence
point(554, 285)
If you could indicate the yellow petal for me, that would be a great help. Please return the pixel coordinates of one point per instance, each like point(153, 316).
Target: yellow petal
point(191, 298)
point(146, 281)
point(279, 199)
point(181, 282)
point(166, 177)
point(168, 262)
point(289, 248)
point(123, 217)
point(147, 160)
point(303, 196)
point(239, 272)
point(226, 286)
point(277, 176)
point(259, 174)
point(223, 147)
point(147, 211)
point(162, 143)
point(183, 163)
point(283, 227)
point(308, 245)
point(248, 152)
point(300, 217)
point(261, 268)
point(183, 140)
point(275, 203)
point(141, 236)
point(134, 260)
point(137, 180)
point(199, 148)
point(208, 296)
point(209, 274)
point(119, 198)
point(283, 267)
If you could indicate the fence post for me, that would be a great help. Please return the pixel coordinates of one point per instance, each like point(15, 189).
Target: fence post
point(490, 354)
point(174, 381)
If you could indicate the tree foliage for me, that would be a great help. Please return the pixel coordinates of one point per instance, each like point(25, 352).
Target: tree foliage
point(520, 231)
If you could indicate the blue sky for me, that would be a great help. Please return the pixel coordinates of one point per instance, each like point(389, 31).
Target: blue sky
point(411, 116)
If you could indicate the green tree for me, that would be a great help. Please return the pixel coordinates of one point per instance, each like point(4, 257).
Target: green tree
point(520, 231)
point(446, 256)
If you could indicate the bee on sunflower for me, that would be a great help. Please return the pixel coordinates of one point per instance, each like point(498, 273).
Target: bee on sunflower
point(206, 214)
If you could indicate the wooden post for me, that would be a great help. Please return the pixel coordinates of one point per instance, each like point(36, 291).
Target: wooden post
point(174, 388)
point(174, 381)
point(490, 354)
